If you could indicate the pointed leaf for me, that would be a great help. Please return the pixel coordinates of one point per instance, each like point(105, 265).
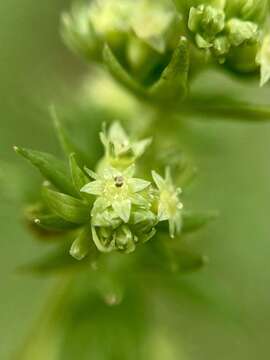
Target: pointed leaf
point(187, 261)
point(57, 261)
point(53, 223)
point(173, 81)
point(120, 74)
point(66, 141)
point(78, 176)
point(193, 221)
point(50, 167)
point(67, 207)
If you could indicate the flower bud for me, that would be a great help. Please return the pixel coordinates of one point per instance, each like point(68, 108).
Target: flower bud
point(120, 150)
point(231, 31)
point(242, 32)
point(206, 22)
point(79, 34)
point(136, 31)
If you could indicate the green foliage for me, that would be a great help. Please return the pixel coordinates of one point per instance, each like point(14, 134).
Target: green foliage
point(120, 209)
point(120, 235)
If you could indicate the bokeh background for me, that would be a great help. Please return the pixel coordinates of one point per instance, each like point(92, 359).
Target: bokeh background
point(230, 318)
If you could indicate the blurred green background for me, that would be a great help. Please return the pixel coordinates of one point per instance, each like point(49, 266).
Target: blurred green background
point(230, 318)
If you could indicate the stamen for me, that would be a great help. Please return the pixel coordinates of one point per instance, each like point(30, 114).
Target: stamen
point(119, 181)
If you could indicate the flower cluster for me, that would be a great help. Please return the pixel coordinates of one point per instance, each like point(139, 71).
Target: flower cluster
point(127, 209)
point(136, 31)
point(110, 208)
point(231, 30)
point(143, 37)
point(120, 150)
point(122, 204)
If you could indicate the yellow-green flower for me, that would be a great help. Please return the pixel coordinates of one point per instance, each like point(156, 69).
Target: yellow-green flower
point(116, 189)
point(120, 150)
point(169, 204)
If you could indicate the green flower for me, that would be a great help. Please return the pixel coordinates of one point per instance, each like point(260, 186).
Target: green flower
point(240, 32)
point(116, 189)
point(135, 31)
point(206, 22)
point(123, 238)
point(152, 22)
point(114, 212)
point(169, 205)
point(108, 16)
point(120, 151)
point(231, 31)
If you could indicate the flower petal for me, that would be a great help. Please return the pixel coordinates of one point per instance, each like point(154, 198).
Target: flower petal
point(139, 147)
point(94, 188)
point(110, 172)
point(100, 205)
point(139, 200)
point(136, 185)
point(159, 181)
point(122, 209)
point(99, 244)
point(117, 134)
point(130, 171)
point(162, 212)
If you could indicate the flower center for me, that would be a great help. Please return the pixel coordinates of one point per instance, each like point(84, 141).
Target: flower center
point(119, 181)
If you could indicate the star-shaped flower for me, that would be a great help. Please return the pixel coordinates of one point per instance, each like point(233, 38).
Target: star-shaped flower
point(118, 145)
point(116, 189)
point(169, 204)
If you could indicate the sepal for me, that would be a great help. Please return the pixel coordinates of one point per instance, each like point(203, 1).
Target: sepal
point(53, 222)
point(82, 244)
point(50, 167)
point(173, 83)
point(66, 207)
point(77, 174)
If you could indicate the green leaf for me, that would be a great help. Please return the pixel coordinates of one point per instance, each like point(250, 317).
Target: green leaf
point(53, 223)
point(67, 207)
point(120, 74)
point(187, 261)
point(173, 81)
point(81, 246)
point(56, 261)
point(78, 176)
point(66, 141)
point(173, 257)
point(193, 221)
point(50, 167)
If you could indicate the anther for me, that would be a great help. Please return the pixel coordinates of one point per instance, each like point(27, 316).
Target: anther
point(119, 181)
